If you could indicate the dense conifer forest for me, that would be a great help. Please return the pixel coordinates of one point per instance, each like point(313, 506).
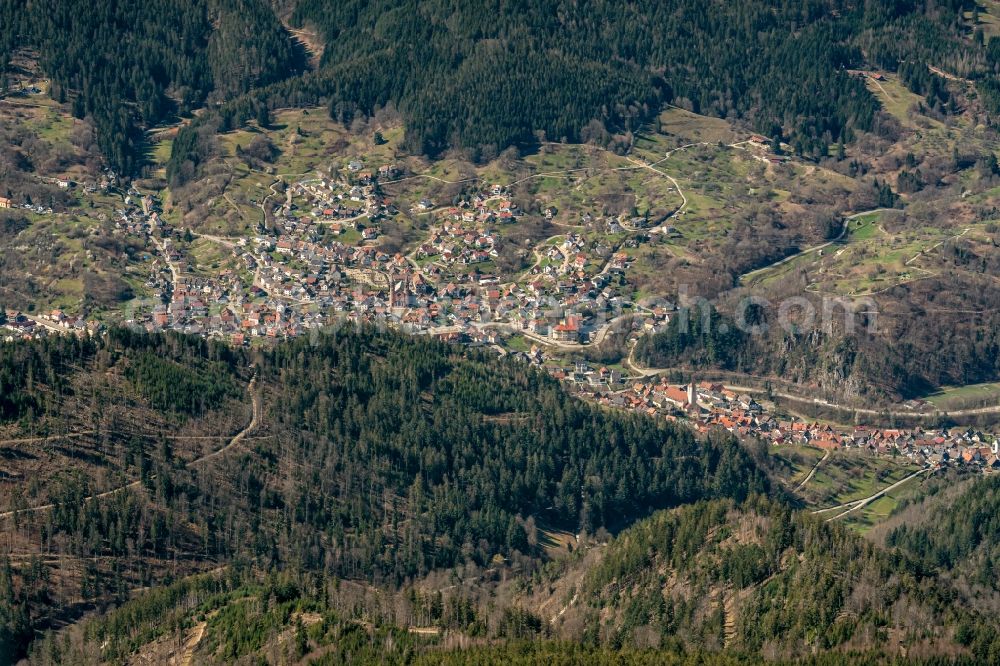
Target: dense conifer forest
point(487, 76)
point(962, 536)
point(735, 60)
point(381, 457)
point(129, 65)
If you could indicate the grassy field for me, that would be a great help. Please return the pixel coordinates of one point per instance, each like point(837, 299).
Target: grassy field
point(860, 230)
point(847, 475)
point(518, 343)
point(868, 260)
point(557, 543)
point(878, 511)
point(898, 101)
point(160, 155)
point(950, 397)
point(795, 462)
point(694, 127)
point(989, 17)
point(863, 228)
point(877, 264)
point(209, 257)
point(883, 509)
point(307, 143)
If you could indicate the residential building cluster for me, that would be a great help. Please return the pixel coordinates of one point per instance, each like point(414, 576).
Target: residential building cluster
point(708, 405)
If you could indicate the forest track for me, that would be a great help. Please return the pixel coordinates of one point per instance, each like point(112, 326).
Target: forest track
point(743, 280)
point(233, 204)
point(562, 611)
point(48, 438)
point(236, 439)
point(729, 609)
point(812, 472)
point(197, 632)
point(254, 422)
point(857, 504)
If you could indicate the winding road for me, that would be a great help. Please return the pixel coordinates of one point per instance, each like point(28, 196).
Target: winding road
point(750, 278)
point(684, 201)
point(642, 372)
point(236, 439)
point(228, 242)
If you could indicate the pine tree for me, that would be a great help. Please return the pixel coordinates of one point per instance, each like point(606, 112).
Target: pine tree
point(263, 116)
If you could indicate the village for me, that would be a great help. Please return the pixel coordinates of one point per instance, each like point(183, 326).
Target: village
point(320, 263)
point(706, 406)
point(319, 256)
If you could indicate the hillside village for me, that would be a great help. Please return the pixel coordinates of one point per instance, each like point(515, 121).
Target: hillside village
point(321, 263)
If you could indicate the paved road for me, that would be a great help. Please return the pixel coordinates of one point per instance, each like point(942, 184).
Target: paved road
point(639, 370)
point(892, 412)
point(345, 220)
point(44, 323)
point(162, 247)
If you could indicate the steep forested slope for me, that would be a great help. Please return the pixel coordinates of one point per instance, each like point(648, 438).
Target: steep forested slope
point(377, 456)
point(465, 447)
point(488, 75)
point(780, 65)
point(710, 583)
point(763, 578)
point(128, 65)
point(962, 535)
